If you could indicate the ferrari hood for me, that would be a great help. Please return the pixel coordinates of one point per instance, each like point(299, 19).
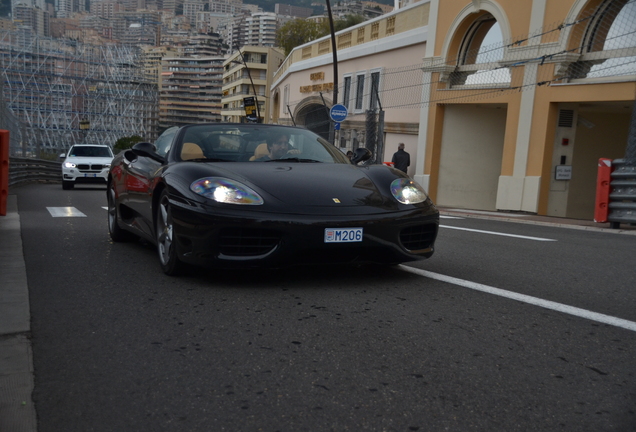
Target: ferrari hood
point(312, 184)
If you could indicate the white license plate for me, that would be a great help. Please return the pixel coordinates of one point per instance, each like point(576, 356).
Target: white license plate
point(90, 175)
point(343, 235)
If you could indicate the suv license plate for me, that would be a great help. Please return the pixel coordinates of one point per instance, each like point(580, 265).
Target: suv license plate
point(343, 235)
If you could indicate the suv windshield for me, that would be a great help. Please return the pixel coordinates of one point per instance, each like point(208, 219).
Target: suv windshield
point(90, 151)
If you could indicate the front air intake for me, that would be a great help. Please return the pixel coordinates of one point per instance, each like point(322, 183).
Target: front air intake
point(247, 242)
point(418, 237)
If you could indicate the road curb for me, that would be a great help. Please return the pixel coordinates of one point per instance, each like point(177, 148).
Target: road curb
point(17, 411)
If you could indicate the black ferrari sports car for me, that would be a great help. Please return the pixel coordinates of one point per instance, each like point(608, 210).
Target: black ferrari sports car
point(254, 195)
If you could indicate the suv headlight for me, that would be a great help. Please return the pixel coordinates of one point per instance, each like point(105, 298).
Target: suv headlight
point(69, 165)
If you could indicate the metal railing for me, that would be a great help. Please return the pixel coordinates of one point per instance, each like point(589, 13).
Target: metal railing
point(22, 170)
point(622, 197)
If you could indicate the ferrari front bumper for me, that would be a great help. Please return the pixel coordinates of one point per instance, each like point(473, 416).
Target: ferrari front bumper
point(274, 241)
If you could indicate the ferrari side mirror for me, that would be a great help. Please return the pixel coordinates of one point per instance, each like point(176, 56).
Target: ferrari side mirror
point(360, 155)
point(148, 150)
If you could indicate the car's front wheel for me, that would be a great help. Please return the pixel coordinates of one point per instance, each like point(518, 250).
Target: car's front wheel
point(66, 185)
point(116, 233)
point(170, 264)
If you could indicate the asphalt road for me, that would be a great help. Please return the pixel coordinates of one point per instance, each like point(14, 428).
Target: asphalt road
point(118, 346)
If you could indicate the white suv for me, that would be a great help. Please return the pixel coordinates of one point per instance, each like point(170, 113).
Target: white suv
point(86, 163)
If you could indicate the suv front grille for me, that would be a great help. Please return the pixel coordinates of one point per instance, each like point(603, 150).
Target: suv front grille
point(247, 242)
point(91, 168)
point(418, 237)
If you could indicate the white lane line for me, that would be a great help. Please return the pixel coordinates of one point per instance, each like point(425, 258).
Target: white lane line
point(571, 310)
point(65, 212)
point(105, 208)
point(450, 217)
point(512, 215)
point(497, 233)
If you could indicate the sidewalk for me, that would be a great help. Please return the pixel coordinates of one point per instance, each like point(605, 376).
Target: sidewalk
point(17, 413)
point(526, 218)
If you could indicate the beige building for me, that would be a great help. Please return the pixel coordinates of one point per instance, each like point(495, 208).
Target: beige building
point(380, 57)
point(190, 90)
point(151, 57)
point(257, 63)
point(516, 101)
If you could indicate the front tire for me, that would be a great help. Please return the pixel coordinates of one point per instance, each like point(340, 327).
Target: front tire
point(116, 233)
point(66, 185)
point(170, 263)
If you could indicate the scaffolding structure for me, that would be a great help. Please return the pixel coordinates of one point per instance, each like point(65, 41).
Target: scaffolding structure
point(65, 92)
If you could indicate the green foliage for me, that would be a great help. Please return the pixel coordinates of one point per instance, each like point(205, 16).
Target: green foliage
point(124, 143)
point(299, 31)
point(269, 5)
point(347, 21)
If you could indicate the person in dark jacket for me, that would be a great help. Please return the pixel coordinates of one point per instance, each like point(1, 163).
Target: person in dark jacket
point(401, 159)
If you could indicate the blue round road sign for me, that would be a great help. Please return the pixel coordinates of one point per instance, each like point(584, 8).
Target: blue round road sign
point(338, 113)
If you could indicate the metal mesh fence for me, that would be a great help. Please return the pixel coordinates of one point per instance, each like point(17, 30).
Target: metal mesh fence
point(63, 92)
point(8, 121)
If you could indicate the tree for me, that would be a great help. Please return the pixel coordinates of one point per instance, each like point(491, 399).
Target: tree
point(298, 32)
point(124, 143)
point(347, 21)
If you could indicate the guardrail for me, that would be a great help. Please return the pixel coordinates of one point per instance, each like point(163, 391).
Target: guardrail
point(23, 170)
point(622, 198)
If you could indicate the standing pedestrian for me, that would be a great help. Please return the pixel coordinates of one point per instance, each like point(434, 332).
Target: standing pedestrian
point(401, 159)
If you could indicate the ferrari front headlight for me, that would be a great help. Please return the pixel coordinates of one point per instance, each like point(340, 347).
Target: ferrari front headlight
point(407, 191)
point(226, 191)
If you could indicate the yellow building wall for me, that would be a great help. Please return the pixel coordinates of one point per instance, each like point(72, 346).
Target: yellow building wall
point(515, 18)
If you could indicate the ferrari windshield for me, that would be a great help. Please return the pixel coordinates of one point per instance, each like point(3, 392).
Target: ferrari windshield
point(253, 143)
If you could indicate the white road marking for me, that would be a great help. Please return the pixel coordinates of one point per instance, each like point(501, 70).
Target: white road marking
point(450, 217)
point(65, 212)
point(512, 215)
point(571, 310)
point(498, 233)
point(105, 208)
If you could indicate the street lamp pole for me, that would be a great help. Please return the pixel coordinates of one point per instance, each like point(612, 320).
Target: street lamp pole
point(335, 55)
point(258, 111)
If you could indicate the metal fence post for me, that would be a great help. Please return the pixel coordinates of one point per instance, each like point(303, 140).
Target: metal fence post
point(4, 171)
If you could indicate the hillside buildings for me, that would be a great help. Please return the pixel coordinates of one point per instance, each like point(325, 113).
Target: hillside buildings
point(190, 90)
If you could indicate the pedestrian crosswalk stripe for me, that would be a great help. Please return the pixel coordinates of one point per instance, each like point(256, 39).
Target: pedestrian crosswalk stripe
point(65, 212)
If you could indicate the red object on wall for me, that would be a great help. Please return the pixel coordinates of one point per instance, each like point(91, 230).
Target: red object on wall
point(603, 178)
point(4, 171)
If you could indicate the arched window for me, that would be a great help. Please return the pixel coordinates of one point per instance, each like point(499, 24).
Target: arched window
point(609, 46)
point(481, 52)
